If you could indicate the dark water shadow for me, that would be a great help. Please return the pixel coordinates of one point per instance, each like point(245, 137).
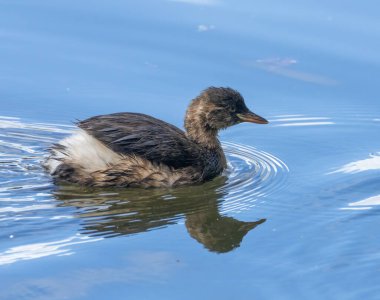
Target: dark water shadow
point(111, 212)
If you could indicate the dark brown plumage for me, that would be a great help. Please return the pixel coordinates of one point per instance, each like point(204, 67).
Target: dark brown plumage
point(132, 149)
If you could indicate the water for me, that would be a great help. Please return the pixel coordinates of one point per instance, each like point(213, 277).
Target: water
point(293, 217)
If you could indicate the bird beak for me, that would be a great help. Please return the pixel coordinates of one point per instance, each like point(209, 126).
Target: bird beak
point(252, 118)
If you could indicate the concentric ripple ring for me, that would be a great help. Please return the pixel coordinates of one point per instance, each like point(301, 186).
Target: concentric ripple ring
point(252, 176)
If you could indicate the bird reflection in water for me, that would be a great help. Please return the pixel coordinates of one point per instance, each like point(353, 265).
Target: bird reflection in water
point(113, 212)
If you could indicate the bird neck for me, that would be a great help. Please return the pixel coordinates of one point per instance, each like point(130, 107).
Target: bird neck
point(198, 130)
point(197, 127)
point(205, 137)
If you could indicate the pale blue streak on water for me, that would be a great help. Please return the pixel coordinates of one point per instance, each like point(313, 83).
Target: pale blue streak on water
point(301, 196)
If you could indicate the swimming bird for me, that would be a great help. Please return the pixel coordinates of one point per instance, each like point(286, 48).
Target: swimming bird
point(136, 150)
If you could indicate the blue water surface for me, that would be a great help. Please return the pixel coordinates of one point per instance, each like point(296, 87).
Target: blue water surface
point(295, 215)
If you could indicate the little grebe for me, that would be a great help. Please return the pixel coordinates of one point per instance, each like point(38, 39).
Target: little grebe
point(132, 149)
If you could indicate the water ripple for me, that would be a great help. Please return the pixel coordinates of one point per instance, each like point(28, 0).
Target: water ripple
point(32, 207)
point(252, 174)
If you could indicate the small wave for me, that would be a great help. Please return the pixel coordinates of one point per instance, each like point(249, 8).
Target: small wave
point(38, 250)
point(365, 204)
point(367, 164)
point(299, 121)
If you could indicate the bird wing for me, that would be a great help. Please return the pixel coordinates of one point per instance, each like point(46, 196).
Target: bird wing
point(145, 136)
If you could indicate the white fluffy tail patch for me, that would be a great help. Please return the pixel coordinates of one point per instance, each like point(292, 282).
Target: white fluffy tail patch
point(84, 150)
